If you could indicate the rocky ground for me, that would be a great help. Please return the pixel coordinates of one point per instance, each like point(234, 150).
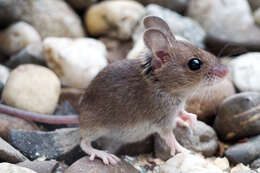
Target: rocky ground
point(51, 50)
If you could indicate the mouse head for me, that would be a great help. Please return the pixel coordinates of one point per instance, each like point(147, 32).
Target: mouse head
point(178, 65)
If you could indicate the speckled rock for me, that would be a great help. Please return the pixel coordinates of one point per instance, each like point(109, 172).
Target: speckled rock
point(33, 88)
point(61, 20)
point(108, 18)
point(75, 61)
point(16, 37)
point(245, 72)
point(81, 4)
point(97, 166)
point(257, 16)
point(237, 116)
point(11, 168)
point(4, 74)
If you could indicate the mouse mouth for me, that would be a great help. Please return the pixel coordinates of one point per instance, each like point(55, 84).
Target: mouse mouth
point(216, 74)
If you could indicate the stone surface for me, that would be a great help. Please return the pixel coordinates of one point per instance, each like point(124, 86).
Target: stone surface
point(50, 145)
point(81, 4)
point(40, 166)
point(38, 91)
point(4, 74)
point(255, 164)
point(11, 168)
point(75, 61)
point(108, 18)
point(245, 152)
point(61, 20)
point(97, 166)
point(16, 37)
point(238, 116)
point(202, 140)
point(257, 16)
point(206, 100)
point(219, 25)
point(31, 54)
point(245, 72)
point(10, 154)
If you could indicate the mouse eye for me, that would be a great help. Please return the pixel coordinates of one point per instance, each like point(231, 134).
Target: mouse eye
point(195, 64)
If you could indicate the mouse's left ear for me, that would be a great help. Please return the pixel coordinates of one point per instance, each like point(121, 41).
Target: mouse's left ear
point(158, 44)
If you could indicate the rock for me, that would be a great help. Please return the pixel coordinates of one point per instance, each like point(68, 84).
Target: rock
point(50, 145)
point(245, 152)
point(81, 4)
point(72, 95)
point(107, 18)
point(257, 16)
point(206, 100)
point(255, 164)
point(31, 54)
point(254, 4)
point(240, 168)
point(9, 153)
point(7, 123)
point(11, 168)
point(188, 163)
point(65, 109)
point(58, 23)
point(202, 140)
point(77, 61)
point(237, 116)
point(175, 5)
point(97, 166)
point(245, 72)
point(38, 91)
point(220, 28)
point(4, 74)
point(16, 37)
point(40, 166)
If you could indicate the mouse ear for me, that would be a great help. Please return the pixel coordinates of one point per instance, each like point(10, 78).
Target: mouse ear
point(160, 24)
point(158, 44)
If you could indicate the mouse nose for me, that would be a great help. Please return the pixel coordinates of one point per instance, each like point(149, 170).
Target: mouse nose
point(220, 70)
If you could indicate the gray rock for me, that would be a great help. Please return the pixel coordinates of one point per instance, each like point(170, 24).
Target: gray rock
point(220, 18)
point(203, 140)
point(40, 166)
point(10, 154)
point(244, 153)
point(62, 22)
point(51, 145)
point(255, 164)
point(237, 116)
point(97, 166)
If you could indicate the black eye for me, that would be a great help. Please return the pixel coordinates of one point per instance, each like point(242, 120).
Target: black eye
point(195, 64)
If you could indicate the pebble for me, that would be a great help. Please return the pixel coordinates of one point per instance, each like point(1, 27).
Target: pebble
point(81, 4)
point(4, 73)
point(75, 61)
point(108, 18)
point(237, 116)
point(206, 100)
point(38, 91)
point(255, 164)
point(245, 71)
point(40, 166)
point(97, 166)
point(220, 28)
point(257, 16)
point(11, 168)
point(57, 144)
point(203, 140)
point(16, 37)
point(9, 153)
point(31, 54)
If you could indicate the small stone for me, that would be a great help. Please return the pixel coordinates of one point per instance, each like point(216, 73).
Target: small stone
point(16, 37)
point(38, 91)
point(75, 61)
point(81, 4)
point(257, 16)
point(255, 164)
point(4, 74)
point(31, 54)
point(51, 145)
point(237, 116)
point(108, 18)
point(245, 72)
point(11, 168)
point(40, 166)
point(245, 152)
point(206, 100)
point(97, 166)
point(9, 153)
point(202, 140)
point(240, 168)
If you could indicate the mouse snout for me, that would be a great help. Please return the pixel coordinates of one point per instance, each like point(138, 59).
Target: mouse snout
point(218, 71)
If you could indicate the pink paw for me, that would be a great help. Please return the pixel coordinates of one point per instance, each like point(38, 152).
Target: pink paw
point(190, 118)
point(107, 158)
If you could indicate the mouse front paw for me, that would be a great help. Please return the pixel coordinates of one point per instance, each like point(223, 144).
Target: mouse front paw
point(190, 118)
point(106, 157)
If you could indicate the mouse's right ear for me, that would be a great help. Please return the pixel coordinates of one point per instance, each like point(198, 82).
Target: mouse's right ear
point(160, 24)
point(158, 44)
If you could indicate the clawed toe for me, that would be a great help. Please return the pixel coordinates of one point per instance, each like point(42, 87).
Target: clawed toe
point(107, 158)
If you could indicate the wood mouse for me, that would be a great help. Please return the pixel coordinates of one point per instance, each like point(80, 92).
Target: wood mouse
point(131, 99)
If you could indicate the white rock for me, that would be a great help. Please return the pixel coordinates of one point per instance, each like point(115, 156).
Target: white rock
point(188, 163)
point(239, 168)
point(4, 74)
point(17, 37)
point(245, 72)
point(33, 88)
point(257, 16)
point(11, 168)
point(116, 18)
point(77, 61)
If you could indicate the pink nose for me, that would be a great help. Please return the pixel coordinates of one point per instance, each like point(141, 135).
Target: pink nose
point(220, 70)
